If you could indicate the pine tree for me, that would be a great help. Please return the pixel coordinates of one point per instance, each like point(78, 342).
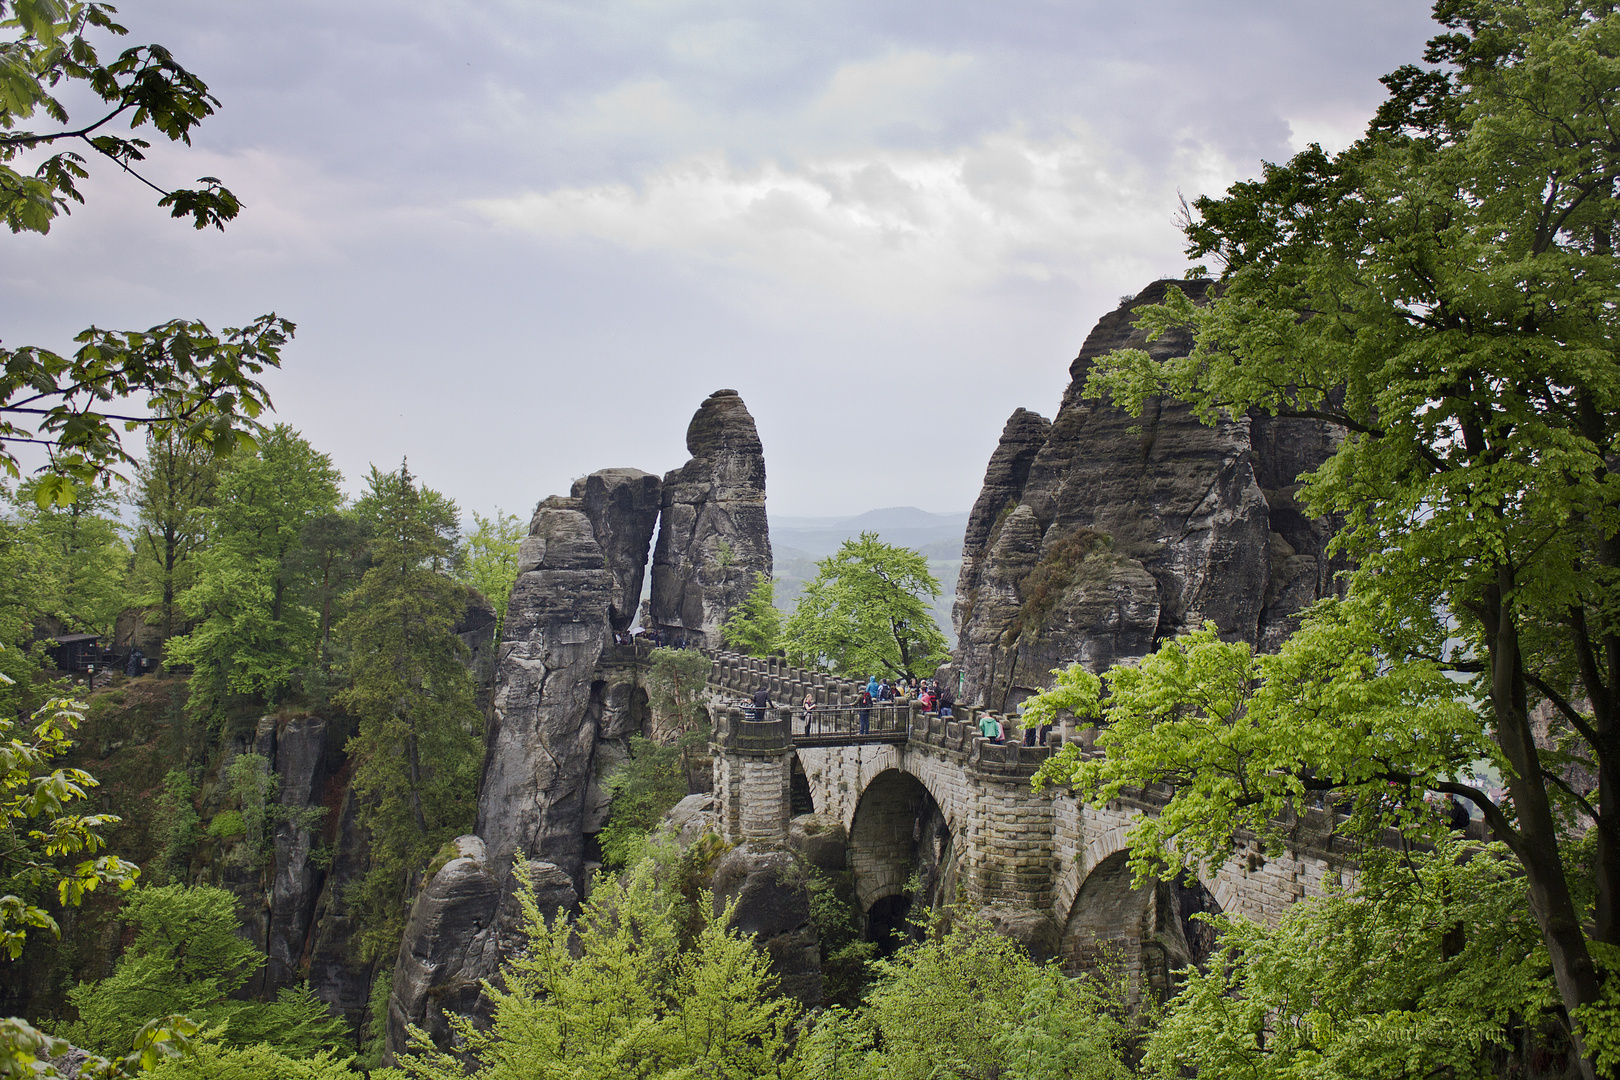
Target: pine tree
point(418, 747)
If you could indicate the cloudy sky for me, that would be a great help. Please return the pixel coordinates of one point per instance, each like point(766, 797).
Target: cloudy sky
point(523, 239)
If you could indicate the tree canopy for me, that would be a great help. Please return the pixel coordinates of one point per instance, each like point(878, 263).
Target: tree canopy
point(1443, 292)
point(865, 614)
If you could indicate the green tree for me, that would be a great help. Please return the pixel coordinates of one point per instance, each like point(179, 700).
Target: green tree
point(968, 1003)
point(1444, 292)
point(419, 745)
point(42, 819)
point(172, 496)
point(187, 956)
point(77, 560)
point(865, 613)
point(213, 1061)
point(644, 787)
point(253, 633)
point(616, 996)
point(1424, 968)
point(329, 560)
point(755, 628)
point(490, 563)
point(675, 682)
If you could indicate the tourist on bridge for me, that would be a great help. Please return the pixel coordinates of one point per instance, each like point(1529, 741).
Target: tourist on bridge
point(872, 686)
point(990, 728)
point(762, 701)
point(809, 710)
point(947, 699)
point(864, 703)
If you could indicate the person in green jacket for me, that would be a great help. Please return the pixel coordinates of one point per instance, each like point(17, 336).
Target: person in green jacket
point(990, 728)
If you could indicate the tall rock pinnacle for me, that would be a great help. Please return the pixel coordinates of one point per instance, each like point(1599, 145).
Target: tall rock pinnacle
point(1101, 534)
point(713, 539)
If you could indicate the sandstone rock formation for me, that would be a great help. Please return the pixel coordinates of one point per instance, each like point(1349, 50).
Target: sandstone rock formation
point(713, 539)
point(540, 740)
point(462, 925)
point(1099, 535)
point(622, 505)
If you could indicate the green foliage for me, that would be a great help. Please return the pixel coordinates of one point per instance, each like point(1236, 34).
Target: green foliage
point(25, 1051)
point(865, 613)
point(254, 634)
point(643, 787)
point(52, 44)
point(297, 1024)
point(1444, 291)
point(418, 748)
point(42, 823)
point(1424, 968)
point(196, 382)
point(376, 1031)
point(76, 560)
point(1242, 736)
point(970, 1004)
point(177, 827)
point(846, 957)
point(755, 627)
point(249, 778)
point(214, 1061)
point(489, 562)
point(172, 495)
point(675, 680)
point(187, 957)
point(227, 825)
point(615, 996)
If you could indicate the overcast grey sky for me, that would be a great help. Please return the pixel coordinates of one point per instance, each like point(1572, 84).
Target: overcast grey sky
point(523, 240)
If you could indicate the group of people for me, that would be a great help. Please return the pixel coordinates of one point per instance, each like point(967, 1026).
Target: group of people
point(658, 639)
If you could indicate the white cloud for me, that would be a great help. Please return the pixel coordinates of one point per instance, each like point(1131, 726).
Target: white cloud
point(899, 229)
point(900, 88)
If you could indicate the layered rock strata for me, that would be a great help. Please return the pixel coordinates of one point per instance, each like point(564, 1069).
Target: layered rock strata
point(1101, 534)
point(713, 539)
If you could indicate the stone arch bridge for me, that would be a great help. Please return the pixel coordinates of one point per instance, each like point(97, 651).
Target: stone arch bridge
point(926, 797)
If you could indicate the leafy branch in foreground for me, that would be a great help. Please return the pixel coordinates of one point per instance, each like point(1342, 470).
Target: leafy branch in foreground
point(39, 823)
point(51, 45)
point(198, 384)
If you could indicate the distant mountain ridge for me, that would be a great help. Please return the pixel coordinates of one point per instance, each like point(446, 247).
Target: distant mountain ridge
point(798, 542)
point(903, 526)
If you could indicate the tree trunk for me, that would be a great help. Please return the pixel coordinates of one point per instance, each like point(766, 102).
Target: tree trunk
point(1550, 901)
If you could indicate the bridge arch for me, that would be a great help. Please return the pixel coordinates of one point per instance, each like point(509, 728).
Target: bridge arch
point(1148, 930)
point(898, 829)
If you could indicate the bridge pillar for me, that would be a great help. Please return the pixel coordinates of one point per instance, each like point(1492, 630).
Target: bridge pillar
point(753, 775)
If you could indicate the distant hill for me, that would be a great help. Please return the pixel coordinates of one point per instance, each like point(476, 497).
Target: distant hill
point(797, 543)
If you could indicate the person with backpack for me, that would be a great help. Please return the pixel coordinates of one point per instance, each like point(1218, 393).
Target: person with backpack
point(864, 703)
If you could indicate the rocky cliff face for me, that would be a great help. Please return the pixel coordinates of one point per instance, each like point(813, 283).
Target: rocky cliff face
point(543, 730)
point(566, 702)
point(713, 539)
point(622, 505)
point(1099, 535)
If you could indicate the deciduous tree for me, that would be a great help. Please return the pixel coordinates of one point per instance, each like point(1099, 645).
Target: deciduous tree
point(864, 613)
point(1445, 293)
